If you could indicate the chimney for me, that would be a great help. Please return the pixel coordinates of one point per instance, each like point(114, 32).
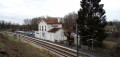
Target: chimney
point(58, 20)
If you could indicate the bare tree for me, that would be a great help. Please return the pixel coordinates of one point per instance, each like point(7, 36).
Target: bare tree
point(34, 23)
point(70, 20)
point(69, 25)
point(27, 23)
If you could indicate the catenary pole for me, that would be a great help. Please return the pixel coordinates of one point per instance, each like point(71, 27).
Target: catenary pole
point(77, 39)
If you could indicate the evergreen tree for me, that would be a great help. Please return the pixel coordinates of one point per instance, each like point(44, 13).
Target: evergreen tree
point(91, 21)
point(110, 23)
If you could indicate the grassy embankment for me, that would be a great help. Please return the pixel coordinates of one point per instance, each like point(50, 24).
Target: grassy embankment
point(20, 48)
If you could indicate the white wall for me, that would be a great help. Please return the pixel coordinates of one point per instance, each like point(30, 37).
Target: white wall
point(48, 26)
point(60, 35)
point(75, 39)
point(42, 25)
point(50, 37)
point(36, 34)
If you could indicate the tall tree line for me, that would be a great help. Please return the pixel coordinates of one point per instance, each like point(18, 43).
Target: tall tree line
point(69, 20)
point(8, 26)
point(31, 24)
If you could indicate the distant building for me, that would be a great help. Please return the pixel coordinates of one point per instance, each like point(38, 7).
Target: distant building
point(111, 28)
point(50, 29)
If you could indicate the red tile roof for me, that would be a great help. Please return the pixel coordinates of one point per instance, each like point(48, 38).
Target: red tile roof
point(71, 36)
point(110, 26)
point(53, 30)
point(52, 21)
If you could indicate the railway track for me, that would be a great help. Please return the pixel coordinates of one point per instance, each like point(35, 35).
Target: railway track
point(60, 50)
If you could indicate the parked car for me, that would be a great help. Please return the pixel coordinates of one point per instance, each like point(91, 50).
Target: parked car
point(31, 34)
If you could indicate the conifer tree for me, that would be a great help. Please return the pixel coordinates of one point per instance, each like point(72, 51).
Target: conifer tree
point(91, 21)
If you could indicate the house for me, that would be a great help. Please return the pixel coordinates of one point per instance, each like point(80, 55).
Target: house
point(50, 29)
point(110, 29)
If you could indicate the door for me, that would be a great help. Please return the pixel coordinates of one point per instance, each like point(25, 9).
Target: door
point(50, 37)
point(46, 36)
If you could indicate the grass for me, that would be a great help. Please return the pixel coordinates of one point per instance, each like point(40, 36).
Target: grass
point(30, 47)
point(42, 51)
point(11, 38)
point(1, 44)
point(110, 44)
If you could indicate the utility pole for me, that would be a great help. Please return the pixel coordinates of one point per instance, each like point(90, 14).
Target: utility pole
point(92, 44)
point(77, 39)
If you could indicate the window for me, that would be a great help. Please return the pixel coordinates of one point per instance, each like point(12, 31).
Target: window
point(42, 28)
point(45, 28)
point(43, 34)
point(54, 26)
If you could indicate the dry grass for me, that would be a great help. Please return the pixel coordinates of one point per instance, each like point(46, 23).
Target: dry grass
point(10, 47)
point(110, 44)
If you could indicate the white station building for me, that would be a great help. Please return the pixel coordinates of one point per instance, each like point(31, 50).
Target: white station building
point(50, 29)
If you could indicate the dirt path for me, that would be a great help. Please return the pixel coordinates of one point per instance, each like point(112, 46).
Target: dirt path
point(15, 48)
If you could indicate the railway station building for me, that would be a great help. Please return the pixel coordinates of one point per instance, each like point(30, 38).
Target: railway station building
point(50, 29)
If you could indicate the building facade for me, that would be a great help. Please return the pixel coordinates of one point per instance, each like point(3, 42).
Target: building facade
point(50, 29)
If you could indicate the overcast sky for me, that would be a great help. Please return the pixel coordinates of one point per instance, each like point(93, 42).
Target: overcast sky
point(18, 10)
